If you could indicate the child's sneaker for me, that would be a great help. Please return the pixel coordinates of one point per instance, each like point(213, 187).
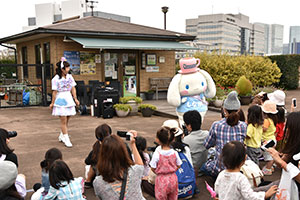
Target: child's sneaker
point(61, 137)
point(266, 171)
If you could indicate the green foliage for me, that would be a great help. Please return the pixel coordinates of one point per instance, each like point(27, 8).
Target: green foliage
point(126, 99)
point(124, 107)
point(267, 89)
point(8, 71)
point(244, 86)
point(288, 65)
point(143, 106)
point(226, 69)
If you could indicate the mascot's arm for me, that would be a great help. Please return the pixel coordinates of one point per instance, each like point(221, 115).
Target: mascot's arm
point(210, 92)
point(173, 96)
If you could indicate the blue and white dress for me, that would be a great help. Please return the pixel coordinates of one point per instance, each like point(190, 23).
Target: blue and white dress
point(64, 104)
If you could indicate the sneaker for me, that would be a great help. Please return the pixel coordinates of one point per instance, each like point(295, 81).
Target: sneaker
point(266, 171)
point(88, 185)
point(61, 137)
point(67, 141)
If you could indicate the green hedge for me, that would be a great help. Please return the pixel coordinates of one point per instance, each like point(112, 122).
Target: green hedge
point(7, 70)
point(288, 65)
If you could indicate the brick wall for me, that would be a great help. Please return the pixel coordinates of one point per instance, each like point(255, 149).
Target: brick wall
point(57, 48)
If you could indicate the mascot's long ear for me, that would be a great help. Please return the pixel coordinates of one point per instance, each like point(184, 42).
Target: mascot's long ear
point(210, 92)
point(173, 96)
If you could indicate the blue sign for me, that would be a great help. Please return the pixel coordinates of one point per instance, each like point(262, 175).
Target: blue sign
point(73, 58)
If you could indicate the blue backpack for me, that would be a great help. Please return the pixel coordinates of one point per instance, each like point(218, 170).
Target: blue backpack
point(186, 178)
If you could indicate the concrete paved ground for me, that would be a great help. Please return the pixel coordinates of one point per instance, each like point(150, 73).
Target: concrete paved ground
point(38, 131)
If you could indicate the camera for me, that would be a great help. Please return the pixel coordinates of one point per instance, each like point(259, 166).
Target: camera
point(12, 134)
point(124, 134)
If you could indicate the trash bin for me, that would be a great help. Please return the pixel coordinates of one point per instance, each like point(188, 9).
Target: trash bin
point(107, 109)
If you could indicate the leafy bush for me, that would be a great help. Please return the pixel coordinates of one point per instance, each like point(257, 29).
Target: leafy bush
point(288, 65)
point(244, 86)
point(124, 107)
point(143, 106)
point(8, 71)
point(226, 69)
point(126, 99)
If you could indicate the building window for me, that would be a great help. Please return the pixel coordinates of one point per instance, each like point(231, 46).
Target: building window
point(38, 69)
point(25, 61)
point(47, 59)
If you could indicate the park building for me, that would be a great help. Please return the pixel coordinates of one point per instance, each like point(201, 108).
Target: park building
point(228, 33)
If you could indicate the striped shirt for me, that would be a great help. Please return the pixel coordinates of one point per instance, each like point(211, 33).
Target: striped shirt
point(221, 133)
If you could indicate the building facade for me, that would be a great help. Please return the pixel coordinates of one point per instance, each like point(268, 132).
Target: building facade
point(273, 38)
point(48, 13)
point(294, 38)
point(228, 33)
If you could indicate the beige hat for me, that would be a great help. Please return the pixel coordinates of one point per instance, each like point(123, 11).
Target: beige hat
point(8, 174)
point(269, 107)
point(278, 97)
point(171, 123)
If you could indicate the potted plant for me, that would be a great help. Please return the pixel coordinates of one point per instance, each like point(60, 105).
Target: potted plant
point(133, 102)
point(149, 94)
point(220, 96)
point(147, 109)
point(244, 89)
point(122, 110)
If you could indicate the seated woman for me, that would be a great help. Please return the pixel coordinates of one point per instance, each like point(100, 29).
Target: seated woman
point(116, 169)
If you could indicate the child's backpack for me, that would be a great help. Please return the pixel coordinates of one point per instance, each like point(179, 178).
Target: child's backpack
point(186, 178)
point(253, 173)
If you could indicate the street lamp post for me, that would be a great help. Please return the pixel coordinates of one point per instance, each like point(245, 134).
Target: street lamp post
point(165, 10)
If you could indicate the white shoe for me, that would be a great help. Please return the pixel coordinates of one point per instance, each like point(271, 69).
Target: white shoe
point(67, 141)
point(61, 137)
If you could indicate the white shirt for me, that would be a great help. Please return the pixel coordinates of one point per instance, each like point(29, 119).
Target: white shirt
point(155, 157)
point(235, 186)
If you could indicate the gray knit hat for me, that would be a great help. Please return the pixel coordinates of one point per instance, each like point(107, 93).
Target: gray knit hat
point(8, 174)
point(232, 102)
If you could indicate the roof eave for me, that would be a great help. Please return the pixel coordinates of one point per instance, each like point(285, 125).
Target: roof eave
point(90, 33)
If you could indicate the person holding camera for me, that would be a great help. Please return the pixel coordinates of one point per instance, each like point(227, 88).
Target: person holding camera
point(119, 177)
point(63, 105)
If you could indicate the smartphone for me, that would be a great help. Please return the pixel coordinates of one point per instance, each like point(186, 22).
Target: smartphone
point(269, 144)
point(294, 102)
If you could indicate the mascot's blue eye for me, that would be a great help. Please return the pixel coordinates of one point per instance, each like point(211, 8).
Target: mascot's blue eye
point(202, 83)
point(187, 87)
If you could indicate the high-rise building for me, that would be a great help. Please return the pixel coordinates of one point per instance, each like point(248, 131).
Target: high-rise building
point(231, 33)
point(294, 38)
point(47, 13)
point(285, 50)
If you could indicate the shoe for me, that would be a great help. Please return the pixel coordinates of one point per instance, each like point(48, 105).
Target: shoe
point(266, 171)
point(67, 141)
point(61, 137)
point(88, 185)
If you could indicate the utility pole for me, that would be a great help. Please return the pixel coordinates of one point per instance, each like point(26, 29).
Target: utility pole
point(92, 5)
point(165, 10)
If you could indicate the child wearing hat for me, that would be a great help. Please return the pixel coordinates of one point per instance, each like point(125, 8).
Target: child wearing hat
point(269, 127)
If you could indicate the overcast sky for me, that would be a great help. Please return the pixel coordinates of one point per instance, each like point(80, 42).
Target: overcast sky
point(14, 14)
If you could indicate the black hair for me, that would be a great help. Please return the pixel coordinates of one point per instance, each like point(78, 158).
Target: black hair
point(141, 145)
point(273, 117)
point(193, 118)
point(58, 68)
point(178, 145)
point(280, 114)
point(264, 97)
point(12, 192)
point(233, 154)
point(233, 117)
point(50, 156)
point(291, 132)
point(101, 132)
point(255, 115)
point(166, 135)
point(58, 172)
point(4, 149)
point(241, 115)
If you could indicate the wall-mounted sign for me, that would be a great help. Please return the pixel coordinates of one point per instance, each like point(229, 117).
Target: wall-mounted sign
point(87, 63)
point(151, 59)
point(143, 61)
point(73, 57)
point(129, 70)
point(98, 58)
point(152, 69)
point(162, 59)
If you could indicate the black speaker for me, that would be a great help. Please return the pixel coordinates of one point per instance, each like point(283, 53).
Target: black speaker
point(107, 110)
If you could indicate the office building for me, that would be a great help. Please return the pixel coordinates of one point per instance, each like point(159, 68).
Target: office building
point(294, 39)
point(47, 13)
point(230, 33)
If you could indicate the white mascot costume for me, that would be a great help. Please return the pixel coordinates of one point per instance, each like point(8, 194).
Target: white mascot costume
point(188, 89)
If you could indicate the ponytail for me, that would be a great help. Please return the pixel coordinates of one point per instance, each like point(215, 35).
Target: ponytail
point(232, 118)
point(166, 135)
